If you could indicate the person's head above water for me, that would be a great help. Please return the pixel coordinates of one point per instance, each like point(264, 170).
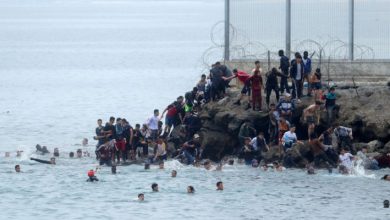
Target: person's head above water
point(79, 153)
point(53, 160)
point(161, 165)
point(141, 197)
point(173, 173)
point(113, 169)
point(17, 168)
point(71, 154)
point(207, 165)
point(56, 152)
point(155, 187)
point(190, 189)
point(386, 177)
point(147, 166)
point(219, 185)
point(386, 204)
point(85, 142)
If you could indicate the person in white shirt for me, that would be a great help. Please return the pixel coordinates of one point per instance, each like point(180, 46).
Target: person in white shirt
point(289, 138)
point(345, 159)
point(152, 124)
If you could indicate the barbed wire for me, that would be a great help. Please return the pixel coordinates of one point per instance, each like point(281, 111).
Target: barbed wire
point(243, 48)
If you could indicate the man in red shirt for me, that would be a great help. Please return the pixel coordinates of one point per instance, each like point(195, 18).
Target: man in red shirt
point(256, 83)
point(242, 77)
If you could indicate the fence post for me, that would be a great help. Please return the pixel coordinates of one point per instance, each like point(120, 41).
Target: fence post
point(288, 28)
point(227, 31)
point(351, 28)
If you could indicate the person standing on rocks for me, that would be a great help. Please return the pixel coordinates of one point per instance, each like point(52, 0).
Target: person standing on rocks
point(284, 66)
point(330, 105)
point(272, 84)
point(152, 124)
point(311, 116)
point(246, 90)
point(273, 124)
point(307, 70)
point(297, 74)
point(256, 83)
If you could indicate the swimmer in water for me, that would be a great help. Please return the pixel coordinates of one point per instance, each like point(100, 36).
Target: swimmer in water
point(85, 142)
point(56, 152)
point(71, 154)
point(231, 162)
point(79, 153)
point(386, 177)
point(190, 189)
point(19, 153)
point(207, 165)
point(51, 161)
point(113, 169)
point(161, 165)
point(219, 186)
point(147, 166)
point(6, 154)
point(155, 187)
point(91, 176)
point(173, 173)
point(17, 168)
point(278, 167)
point(141, 197)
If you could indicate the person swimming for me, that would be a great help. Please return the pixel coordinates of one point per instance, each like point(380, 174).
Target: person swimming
point(173, 173)
point(113, 169)
point(17, 168)
point(161, 165)
point(147, 166)
point(43, 150)
point(141, 197)
point(386, 177)
point(219, 186)
point(91, 176)
point(71, 154)
point(155, 187)
point(51, 161)
point(56, 152)
point(190, 189)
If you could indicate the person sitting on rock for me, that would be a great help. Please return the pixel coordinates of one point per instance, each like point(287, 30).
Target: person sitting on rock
point(290, 138)
point(311, 116)
point(286, 107)
point(246, 131)
point(368, 162)
point(344, 137)
point(318, 151)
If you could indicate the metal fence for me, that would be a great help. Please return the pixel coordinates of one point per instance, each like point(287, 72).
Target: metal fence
point(328, 29)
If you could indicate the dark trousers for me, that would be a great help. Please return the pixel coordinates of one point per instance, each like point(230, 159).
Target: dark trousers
point(284, 84)
point(269, 90)
point(297, 89)
point(324, 157)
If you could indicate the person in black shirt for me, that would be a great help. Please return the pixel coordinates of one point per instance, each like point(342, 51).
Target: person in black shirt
point(109, 130)
point(191, 149)
point(272, 84)
point(99, 133)
point(192, 123)
point(128, 135)
point(284, 66)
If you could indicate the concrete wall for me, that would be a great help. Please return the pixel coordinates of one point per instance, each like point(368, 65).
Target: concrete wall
point(372, 72)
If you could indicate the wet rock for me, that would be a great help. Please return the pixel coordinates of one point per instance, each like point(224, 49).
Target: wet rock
point(373, 146)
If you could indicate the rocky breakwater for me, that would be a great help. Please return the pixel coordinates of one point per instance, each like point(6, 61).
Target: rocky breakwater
point(365, 109)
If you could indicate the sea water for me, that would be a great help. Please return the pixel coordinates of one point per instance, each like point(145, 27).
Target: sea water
point(64, 64)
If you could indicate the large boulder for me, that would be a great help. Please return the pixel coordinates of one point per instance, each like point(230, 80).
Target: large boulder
point(386, 148)
point(373, 146)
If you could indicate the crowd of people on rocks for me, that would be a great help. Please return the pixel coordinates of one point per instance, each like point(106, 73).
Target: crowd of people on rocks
point(119, 142)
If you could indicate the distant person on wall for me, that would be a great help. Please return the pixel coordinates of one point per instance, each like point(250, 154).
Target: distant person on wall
point(307, 71)
point(284, 66)
point(256, 83)
point(297, 74)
